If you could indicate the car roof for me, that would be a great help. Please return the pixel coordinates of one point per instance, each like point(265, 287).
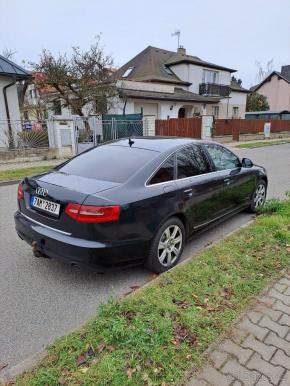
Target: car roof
point(159, 144)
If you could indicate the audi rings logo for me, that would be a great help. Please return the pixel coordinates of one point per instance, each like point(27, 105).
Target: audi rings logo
point(41, 191)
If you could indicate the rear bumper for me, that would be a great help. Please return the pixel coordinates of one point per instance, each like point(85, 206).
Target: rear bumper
point(93, 254)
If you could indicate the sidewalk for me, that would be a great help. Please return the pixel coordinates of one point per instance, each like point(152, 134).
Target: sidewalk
point(30, 164)
point(235, 144)
point(257, 350)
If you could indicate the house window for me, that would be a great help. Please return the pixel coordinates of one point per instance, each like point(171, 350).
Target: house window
point(235, 112)
point(56, 107)
point(215, 111)
point(32, 93)
point(168, 70)
point(209, 76)
point(127, 72)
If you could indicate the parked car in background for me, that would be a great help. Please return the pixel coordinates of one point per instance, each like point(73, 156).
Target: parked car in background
point(135, 201)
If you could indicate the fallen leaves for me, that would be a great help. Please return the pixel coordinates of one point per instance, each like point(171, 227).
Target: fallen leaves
point(133, 288)
point(82, 359)
point(129, 315)
point(226, 292)
point(181, 303)
point(183, 334)
point(130, 372)
point(101, 347)
point(62, 380)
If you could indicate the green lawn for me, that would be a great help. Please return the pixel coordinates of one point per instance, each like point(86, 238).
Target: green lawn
point(154, 335)
point(16, 174)
point(252, 145)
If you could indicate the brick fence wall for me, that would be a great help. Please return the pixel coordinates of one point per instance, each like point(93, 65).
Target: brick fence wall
point(236, 127)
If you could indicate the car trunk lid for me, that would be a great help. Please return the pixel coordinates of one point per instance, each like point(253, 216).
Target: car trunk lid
point(61, 189)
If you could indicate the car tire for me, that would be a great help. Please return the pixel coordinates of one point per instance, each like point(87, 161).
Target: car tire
point(259, 196)
point(167, 246)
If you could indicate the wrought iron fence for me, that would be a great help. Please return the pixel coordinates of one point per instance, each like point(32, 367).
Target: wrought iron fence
point(23, 135)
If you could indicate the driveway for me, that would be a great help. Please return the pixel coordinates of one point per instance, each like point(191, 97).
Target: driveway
point(42, 299)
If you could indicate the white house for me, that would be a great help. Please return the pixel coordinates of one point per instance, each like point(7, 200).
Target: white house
point(10, 74)
point(168, 84)
point(163, 84)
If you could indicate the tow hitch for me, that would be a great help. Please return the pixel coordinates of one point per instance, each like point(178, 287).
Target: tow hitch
point(36, 251)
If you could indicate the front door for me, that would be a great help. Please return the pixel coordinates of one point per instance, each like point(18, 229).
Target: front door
point(239, 182)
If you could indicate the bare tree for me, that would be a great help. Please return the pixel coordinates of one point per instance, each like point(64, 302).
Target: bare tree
point(8, 53)
point(263, 72)
point(82, 79)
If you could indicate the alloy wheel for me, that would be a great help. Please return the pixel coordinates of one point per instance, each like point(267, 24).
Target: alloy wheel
point(170, 245)
point(260, 195)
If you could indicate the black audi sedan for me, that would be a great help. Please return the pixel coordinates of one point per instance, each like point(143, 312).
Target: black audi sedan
point(134, 200)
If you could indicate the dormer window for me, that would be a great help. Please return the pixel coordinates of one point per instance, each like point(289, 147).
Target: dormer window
point(127, 72)
point(168, 70)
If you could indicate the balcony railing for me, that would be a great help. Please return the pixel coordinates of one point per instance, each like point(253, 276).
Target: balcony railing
point(214, 89)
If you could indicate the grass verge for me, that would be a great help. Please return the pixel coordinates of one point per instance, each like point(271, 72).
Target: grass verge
point(15, 174)
point(252, 145)
point(154, 335)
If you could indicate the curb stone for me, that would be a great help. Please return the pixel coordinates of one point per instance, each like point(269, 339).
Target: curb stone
point(10, 182)
point(27, 364)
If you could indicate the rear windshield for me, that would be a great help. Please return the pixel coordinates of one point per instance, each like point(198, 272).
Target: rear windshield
point(108, 163)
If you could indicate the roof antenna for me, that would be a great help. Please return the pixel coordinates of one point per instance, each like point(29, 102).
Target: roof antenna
point(131, 142)
point(177, 33)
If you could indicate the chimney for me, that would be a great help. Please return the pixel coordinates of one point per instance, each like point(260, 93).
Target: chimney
point(181, 50)
point(285, 71)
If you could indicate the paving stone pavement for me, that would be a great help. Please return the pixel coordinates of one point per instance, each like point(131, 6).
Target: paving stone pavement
point(257, 350)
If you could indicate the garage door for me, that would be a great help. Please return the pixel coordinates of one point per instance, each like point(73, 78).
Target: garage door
point(148, 108)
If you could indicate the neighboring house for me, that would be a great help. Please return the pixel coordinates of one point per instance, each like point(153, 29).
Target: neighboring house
point(162, 84)
point(276, 87)
point(41, 102)
point(167, 84)
point(10, 75)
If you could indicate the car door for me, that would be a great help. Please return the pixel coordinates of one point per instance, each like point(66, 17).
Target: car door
point(200, 195)
point(239, 182)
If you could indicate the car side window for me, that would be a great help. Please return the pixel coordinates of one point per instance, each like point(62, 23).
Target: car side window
point(222, 158)
point(191, 162)
point(164, 173)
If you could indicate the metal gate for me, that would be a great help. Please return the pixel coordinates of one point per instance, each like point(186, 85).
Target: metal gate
point(90, 131)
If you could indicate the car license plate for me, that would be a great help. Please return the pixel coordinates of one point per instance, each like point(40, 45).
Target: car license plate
point(45, 205)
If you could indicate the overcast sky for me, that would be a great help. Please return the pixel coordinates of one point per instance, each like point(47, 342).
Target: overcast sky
point(231, 33)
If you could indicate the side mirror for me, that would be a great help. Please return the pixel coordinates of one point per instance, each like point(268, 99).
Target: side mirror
point(247, 163)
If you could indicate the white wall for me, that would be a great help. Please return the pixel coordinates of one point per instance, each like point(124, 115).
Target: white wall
point(237, 99)
point(193, 74)
point(149, 109)
point(12, 98)
point(13, 104)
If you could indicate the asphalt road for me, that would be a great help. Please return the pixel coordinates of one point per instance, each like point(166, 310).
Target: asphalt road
point(42, 299)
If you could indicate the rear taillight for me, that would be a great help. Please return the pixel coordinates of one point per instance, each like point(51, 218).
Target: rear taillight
point(91, 213)
point(20, 193)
